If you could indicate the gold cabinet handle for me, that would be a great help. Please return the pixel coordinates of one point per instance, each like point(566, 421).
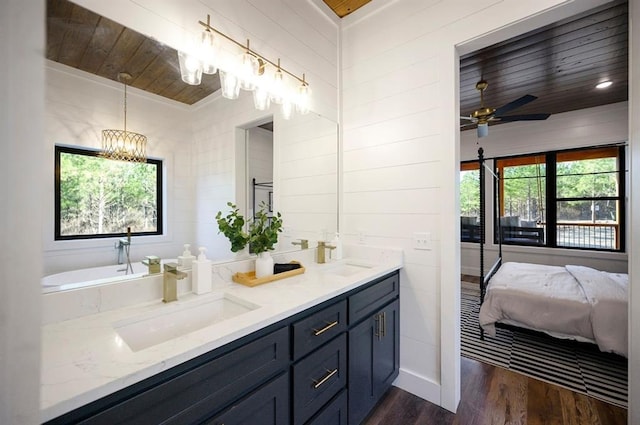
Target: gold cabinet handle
point(330, 373)
point(384, 324)
point(317, 332)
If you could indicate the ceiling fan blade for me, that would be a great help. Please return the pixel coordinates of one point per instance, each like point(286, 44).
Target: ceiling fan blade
point(515, 104)
point(527, 117)
point(467, 126)
point(462, 117)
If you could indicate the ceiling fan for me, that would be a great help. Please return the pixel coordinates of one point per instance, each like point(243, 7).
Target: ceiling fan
point(483, 116)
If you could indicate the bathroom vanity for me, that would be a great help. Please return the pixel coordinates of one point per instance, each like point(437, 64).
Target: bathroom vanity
point(326, 355)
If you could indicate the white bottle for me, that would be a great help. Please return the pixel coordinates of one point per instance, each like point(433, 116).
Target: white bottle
point(201, 273)
point(186, 258)
point(336, 253)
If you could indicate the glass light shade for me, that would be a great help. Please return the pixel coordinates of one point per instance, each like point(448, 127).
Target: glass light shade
point(208, 52)
point(261, 98)
point(483, 130)
point(190, 69)
point(248, 71)
point(277, 87)
point(287, 109)
point(229, 84)
point(304, 99)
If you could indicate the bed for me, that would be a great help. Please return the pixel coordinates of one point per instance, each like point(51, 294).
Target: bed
point(570, 302)
point(573, 302)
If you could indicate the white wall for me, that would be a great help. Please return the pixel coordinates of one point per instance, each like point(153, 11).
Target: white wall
point(587, 127)
point(401, 157)
point(260, 166)
point(78, 107)
point(23, 182)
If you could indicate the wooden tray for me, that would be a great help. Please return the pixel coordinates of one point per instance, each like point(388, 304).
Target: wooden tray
point(249, 278)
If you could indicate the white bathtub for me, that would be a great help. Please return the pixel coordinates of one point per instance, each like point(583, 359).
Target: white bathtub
point(94, 276)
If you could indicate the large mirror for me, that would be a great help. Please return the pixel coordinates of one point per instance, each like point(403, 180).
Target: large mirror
point(199, 145)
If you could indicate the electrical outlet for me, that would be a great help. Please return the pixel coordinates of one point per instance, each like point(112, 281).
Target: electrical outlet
point(422, 240)
point(361, 236)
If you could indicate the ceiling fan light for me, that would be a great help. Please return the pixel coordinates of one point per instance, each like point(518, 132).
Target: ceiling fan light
point(483, 130)
point(604, 84)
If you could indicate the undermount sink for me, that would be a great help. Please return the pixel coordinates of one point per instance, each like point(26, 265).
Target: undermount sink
point(347, 269)
point(174, 320)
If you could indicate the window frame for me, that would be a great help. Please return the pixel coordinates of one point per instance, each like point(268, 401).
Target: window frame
point(551, 198)
point(472, 165)
point(60, 149)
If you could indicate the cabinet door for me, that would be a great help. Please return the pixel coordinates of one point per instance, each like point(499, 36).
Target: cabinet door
point(386, 353)
point(334, 413)
point(373, 360)
point(268, 405)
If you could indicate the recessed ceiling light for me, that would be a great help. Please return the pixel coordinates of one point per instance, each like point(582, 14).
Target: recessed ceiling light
point(603, 85)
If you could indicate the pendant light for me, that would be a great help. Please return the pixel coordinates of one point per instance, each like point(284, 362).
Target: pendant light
point(124, 145)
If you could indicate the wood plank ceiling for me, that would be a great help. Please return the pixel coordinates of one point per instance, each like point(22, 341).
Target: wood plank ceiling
point(560, 64)
point(343, 7)
point(84, 40)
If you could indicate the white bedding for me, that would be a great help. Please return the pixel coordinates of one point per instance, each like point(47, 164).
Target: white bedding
point(569, 302)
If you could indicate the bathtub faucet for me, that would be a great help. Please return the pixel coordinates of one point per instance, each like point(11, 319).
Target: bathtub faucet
point(123, 246)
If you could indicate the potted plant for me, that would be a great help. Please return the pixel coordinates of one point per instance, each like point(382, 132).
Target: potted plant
point(263, 235)
point(232, 226)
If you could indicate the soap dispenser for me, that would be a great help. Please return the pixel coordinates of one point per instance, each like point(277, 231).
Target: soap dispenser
point(186, 258)
point(336, 254)
point(201, 269)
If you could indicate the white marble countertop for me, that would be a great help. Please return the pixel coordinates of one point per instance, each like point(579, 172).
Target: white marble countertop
point(84, 358)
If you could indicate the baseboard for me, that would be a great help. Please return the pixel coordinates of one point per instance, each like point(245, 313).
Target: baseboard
point(419, 386)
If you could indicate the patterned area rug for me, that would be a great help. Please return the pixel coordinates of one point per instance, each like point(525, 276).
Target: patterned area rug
point(577, 366)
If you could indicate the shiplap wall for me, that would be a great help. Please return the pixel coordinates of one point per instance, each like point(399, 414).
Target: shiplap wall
point(401, 154)
point(78, 107)
point(587, 127)
point(307, 177)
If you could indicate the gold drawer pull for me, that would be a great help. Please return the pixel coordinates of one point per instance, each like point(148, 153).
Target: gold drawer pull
point(328, 376)
point(318, 332)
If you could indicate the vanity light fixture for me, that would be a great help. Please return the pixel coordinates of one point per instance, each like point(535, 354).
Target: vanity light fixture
point(245, 71)
point(123, 145)
point(603, 85)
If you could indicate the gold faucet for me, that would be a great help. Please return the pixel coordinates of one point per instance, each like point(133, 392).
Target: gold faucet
point(320, 255)
point(304, 243)
point(170, 279)
point(153, 263)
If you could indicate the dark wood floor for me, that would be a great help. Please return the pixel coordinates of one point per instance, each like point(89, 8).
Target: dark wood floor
point(491, 396)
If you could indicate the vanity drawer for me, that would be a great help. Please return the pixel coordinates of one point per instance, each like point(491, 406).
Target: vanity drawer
point(318, 378)
point(334, 413)
point(200, 392)
point(315, 330)
point(365, 302)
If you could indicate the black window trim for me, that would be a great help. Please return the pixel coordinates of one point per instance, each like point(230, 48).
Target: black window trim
point(551, 198)
point(94, 152)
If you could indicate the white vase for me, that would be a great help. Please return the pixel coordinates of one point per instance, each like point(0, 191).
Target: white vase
point(264, 264)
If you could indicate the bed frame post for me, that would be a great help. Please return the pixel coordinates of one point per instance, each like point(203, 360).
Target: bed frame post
point(482, 228)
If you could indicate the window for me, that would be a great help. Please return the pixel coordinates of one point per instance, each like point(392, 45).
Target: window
point(97, 197)
point(470, 201)
point(522, 199)
point(565, 199)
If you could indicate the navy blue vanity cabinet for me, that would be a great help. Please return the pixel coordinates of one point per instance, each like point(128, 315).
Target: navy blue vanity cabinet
point(374, 342)
point(196, 390)
point(320, 359)
point(268, 405)
point(335, 413)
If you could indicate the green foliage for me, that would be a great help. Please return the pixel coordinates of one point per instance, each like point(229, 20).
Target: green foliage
point(101, 196)
point(232, 226)
point(470, 193)
point(263, 230)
